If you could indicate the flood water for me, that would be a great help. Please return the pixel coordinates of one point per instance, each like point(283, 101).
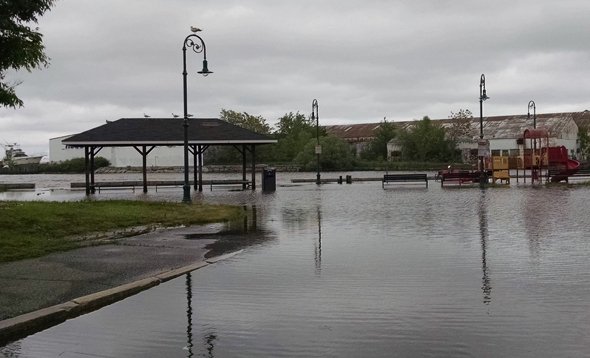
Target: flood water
point(358, 271)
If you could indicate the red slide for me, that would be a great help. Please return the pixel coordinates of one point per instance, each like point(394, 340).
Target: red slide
point(567, 167)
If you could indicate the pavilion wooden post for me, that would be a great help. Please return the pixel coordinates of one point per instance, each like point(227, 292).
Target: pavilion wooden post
point(201, 150)
point(144, 153)
point(195, 153)
point(244, 166)
point(92, 154)
point(87, 169)
point(253, 150)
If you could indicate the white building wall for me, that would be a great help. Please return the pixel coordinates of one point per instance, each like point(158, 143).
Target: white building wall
point(59, 153)
point(120, 156)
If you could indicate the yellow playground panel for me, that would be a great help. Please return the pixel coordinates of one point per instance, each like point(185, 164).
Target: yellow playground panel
point(500, 169)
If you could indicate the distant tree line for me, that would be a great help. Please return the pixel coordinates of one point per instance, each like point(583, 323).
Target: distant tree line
point(76, 165)
point(297, 136)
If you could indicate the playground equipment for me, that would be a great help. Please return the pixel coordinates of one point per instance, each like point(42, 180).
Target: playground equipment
point(551, 163)
point(561, 167)
point(533, 158)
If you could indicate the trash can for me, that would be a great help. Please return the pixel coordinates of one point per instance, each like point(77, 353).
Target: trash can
point(269, 180)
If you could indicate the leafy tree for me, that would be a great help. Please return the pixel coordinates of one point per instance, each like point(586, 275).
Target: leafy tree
point(336, 155)
point(254, 123)
point(377, 148)
point(461, 125)
point(426, 141)
point(231, 155)
point(584, 142)
point(293, 133)
point(21, 46)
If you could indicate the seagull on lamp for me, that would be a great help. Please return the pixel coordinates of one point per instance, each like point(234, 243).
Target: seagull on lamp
point(174, 115)
point(146, 116)
point(195, 29)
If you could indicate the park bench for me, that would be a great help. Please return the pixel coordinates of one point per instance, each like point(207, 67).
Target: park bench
point(403, 178)
point(459, 177)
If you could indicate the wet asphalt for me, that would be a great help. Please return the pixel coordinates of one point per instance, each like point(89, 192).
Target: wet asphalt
point(33, 284)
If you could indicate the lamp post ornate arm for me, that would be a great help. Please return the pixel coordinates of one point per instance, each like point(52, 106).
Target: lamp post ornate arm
point(534, 107)
point(315, 115)
point(196, 43)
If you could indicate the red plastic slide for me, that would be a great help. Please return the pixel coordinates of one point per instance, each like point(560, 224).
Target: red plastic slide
point(567, 167)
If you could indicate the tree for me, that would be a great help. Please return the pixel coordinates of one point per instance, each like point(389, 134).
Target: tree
point(584, 140)
point(229, 154)
point(293, 133)
point(20, 45)
point(461, 125)
point(425, 141)
point(254, 123)
point(336, 155)
point(377, 148)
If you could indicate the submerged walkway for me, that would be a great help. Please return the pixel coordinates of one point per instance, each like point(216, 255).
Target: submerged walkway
point(41, 292)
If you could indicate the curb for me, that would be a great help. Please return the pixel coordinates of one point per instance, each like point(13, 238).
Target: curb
point(21, 326)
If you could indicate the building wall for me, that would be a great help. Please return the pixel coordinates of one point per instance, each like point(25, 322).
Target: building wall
point(120, 156)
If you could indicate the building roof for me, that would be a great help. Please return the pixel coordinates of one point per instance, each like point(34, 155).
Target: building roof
point(166, 131)
point(511, 126)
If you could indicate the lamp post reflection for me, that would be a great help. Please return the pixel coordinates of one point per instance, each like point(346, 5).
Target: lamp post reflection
point(189, 315)
point(318, 247)
point(483, 230)
point(209, 338)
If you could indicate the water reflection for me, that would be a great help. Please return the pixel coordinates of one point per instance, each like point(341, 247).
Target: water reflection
point(318, 246)
point(189, 315)
point(539, 209)
point(483, 230)
point(237, 235)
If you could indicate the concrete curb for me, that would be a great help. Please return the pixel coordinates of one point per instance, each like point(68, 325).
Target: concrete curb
point(21, 326)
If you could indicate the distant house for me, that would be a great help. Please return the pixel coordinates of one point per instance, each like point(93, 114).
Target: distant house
point(504, 132)
point(357, 135)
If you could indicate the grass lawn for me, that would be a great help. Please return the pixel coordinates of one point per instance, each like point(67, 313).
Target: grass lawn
point(32, 229)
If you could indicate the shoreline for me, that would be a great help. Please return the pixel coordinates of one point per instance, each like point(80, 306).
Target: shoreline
point(42, 292)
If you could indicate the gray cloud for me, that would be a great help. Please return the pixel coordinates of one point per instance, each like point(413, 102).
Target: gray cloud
point(362, 60)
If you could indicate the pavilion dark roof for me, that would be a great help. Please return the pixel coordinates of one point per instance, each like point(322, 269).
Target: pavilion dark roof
point(166, 131)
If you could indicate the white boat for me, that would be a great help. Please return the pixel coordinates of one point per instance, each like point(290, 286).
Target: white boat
point(16, 156)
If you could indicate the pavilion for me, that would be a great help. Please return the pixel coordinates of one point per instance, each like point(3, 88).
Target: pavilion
point(144, 134)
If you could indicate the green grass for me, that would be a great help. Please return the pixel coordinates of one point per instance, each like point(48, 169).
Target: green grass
point(32, 229)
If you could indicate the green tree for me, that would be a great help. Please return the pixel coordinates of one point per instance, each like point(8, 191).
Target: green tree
point(21, 46)
point(254, 123)
point(293, 132)
point(231, 155)
point(584, 142)
point(377, 148)
point(426, 141)
point(336, 155)
point(460, 125)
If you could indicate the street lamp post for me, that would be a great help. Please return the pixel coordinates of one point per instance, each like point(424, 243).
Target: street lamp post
point(196, 43)
point(318, 149)
point(534, 107)
point(482, 97)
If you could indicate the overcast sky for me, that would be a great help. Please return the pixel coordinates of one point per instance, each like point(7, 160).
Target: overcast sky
point(362, 60)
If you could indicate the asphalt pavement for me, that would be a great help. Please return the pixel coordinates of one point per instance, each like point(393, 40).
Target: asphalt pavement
point(38, 293)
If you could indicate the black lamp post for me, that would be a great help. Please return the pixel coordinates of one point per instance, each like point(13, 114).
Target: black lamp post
point(318, 149)
point(197, 44)
point(534, 107)
point(482, 97)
